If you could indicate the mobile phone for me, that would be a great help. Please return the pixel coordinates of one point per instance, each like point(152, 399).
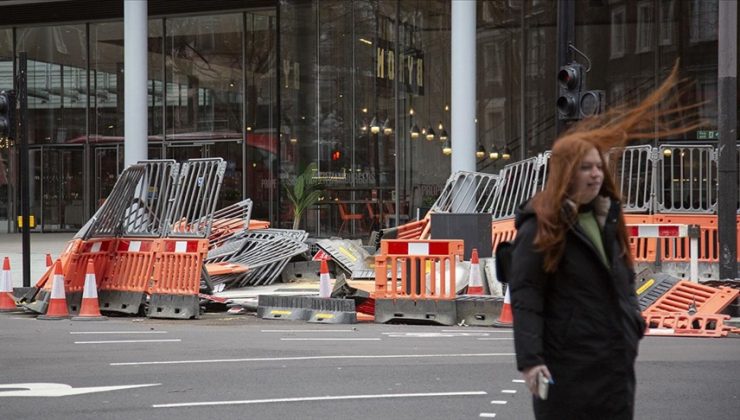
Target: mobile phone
point(543, 385)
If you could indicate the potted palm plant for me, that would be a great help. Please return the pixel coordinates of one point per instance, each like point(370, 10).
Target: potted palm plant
point(304, 193)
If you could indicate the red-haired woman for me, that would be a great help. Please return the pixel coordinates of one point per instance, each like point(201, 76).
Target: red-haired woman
point(577, 321)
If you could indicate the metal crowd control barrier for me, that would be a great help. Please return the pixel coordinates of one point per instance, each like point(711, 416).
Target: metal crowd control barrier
point(634, 172)
point(229, 221)
point(262, 252)
point(687, 178)
point(176, 278)
point(349, 256)
point(517, 182)
point(196, 198)
point(107, 220)
point(147, 211)
point(416, 280)
point(466, 192)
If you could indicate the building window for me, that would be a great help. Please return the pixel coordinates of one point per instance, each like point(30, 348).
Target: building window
point(617, 32)
point(644, 27)
point(666, 22)
point(704, 16)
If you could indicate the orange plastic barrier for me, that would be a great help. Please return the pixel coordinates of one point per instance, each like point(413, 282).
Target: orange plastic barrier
point(258, 224)
point(178, 266)
point(677, 249)
point(685, 325)
point(132, 267)
point(412, 230)
point(100, 251)
point(417, 269)
point(71, 249)
point(708, 300)
point(502, 231)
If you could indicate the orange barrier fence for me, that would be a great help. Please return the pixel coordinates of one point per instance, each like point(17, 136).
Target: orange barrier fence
point(417, 269)
point(685, 294)
point(685, 325)
point(412, 230)
point(127, 278)
point(646, 249)
point(178, 266)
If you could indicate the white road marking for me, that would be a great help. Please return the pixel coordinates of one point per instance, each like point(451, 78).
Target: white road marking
point(58, 390)
point(174, 340)
point(433, 334)
point(304, 331)
point(519, 381)
point(329, 339)
point(508, 391)
point(301, 358)
point(325, 398)
point(117, 332)
point(496, 338)
point(492, 330)
point(500, 402)
point(488, 415)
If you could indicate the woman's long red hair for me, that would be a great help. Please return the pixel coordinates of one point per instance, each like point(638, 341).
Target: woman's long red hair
point(660, 114)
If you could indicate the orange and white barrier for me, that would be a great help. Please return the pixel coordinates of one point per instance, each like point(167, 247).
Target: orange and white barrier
point(671, 231)
point(402, 266)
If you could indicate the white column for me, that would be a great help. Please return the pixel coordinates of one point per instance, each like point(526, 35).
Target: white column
point(135, 30)
point(463, 134)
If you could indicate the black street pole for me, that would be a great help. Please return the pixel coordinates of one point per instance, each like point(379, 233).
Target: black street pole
point(24, 180)
point(728, 148)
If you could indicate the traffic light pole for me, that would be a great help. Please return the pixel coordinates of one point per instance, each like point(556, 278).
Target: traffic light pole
point(728, 149)
point(566, 35)
point(24, 180)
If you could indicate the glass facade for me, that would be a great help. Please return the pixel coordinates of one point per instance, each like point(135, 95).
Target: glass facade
point(361, 88)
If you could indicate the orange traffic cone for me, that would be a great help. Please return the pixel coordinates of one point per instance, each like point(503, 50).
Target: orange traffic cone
point(324, 286)
point(57, 301)
point(505, 319)
point(475, 284)
point(7, 303)
point(90, 309)
point(48, 260)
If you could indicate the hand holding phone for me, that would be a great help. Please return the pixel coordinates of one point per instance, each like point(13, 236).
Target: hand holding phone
point(543, 385)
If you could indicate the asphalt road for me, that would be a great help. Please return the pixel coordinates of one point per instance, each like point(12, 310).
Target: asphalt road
point(225, 367)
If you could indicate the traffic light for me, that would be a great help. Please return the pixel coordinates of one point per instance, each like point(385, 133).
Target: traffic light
point(574, 101)
point(7, 114)
point(570, 79)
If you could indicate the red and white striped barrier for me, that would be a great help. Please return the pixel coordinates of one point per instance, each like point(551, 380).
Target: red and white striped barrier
point(671, 231)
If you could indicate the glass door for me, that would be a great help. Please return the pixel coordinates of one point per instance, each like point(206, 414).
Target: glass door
point(56, 190)
point(108, 164)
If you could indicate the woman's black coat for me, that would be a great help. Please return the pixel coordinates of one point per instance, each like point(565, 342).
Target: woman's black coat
point(582, 321)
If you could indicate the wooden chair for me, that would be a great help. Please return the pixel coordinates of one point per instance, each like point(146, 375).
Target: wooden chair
point(372, 215)
point(346, 216)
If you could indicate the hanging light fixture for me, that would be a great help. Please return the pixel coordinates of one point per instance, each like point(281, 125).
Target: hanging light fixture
point(363, 127)
point(374, 126)
point(494, 155)
point(387, 128)
point(415, 131)
point(443, 135)
point(481, 152)
point(447, 148)
point(667, 152)
point(506, 155)
point(430, 133)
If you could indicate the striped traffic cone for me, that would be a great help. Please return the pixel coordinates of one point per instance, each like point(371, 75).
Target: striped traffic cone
point(506, 318)
point(90, 308)
point(48, 260)
point(7, 303)
point(475, 284)
point(57, 308)
point(324, 286)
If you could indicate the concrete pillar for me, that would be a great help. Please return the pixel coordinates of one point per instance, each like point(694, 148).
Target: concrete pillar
point(463, 135)
point(135, 31)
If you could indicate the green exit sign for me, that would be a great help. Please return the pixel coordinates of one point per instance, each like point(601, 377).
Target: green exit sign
point(707, 134)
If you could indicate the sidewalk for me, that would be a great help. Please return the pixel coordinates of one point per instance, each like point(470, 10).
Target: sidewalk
point(11, 245)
